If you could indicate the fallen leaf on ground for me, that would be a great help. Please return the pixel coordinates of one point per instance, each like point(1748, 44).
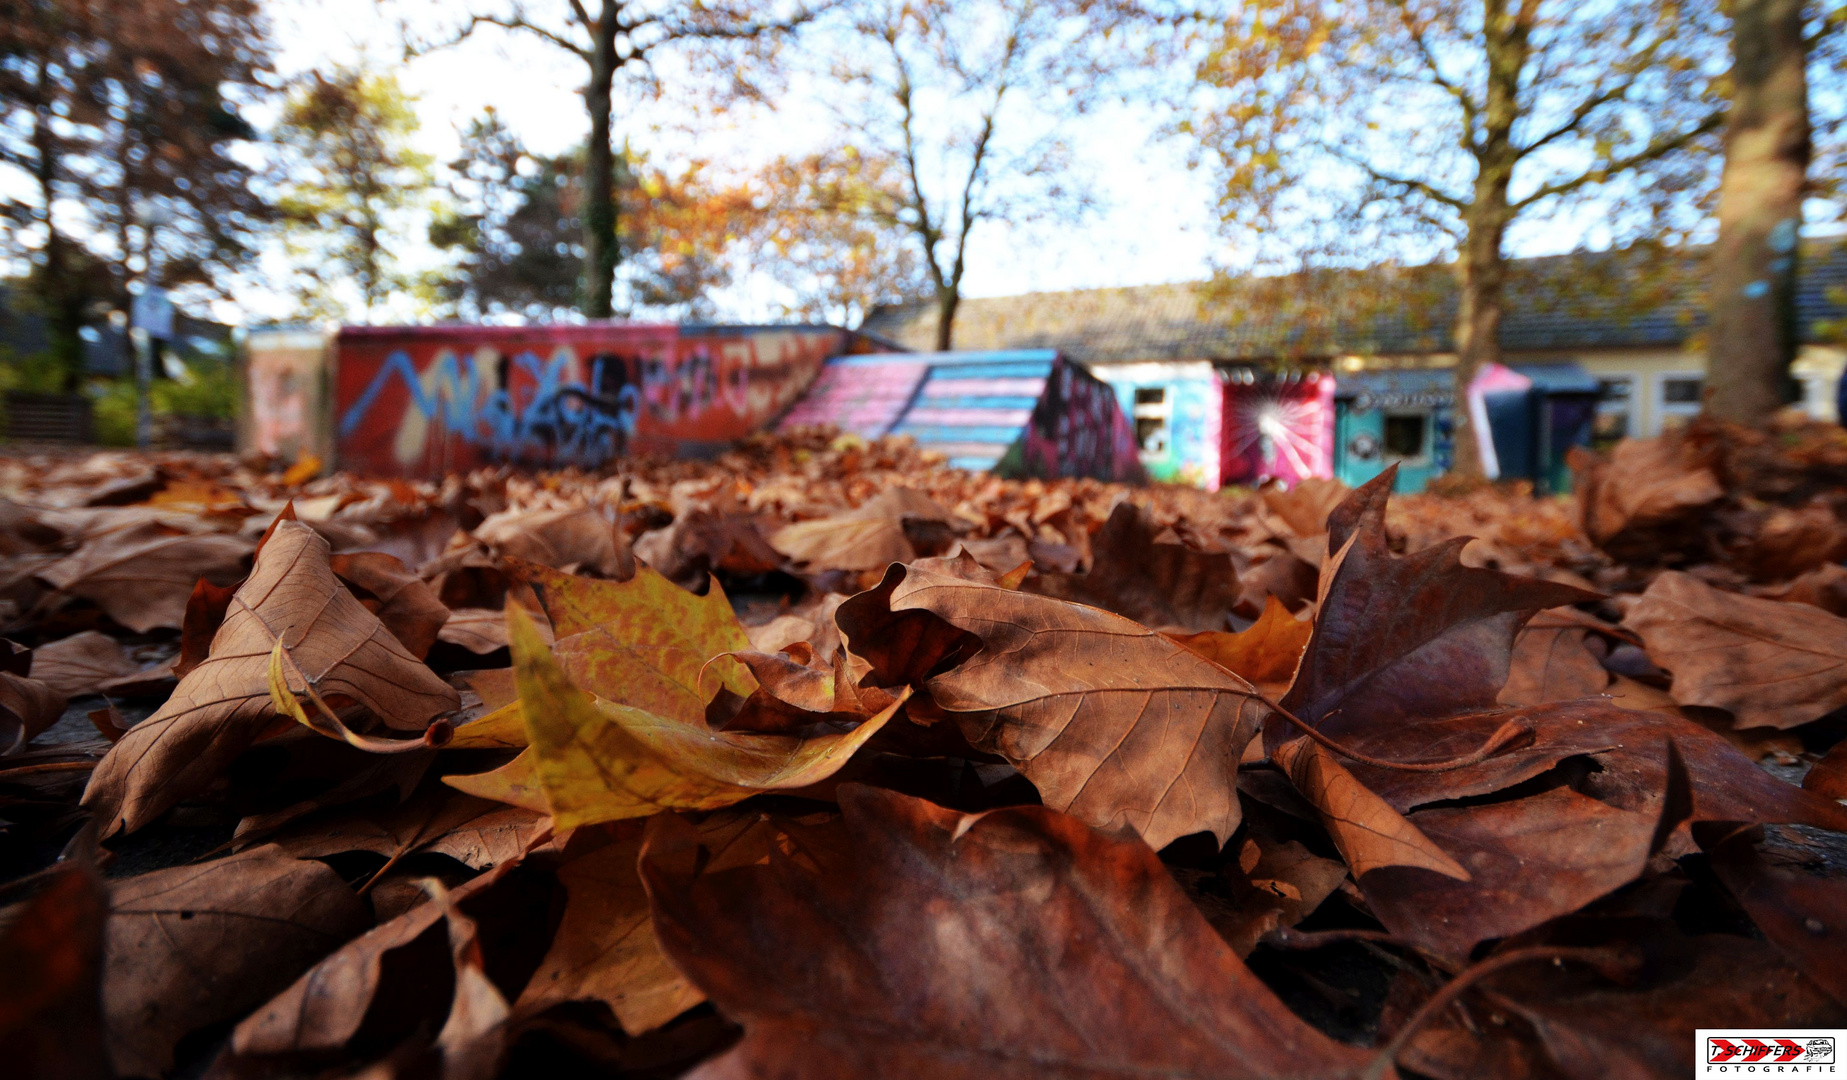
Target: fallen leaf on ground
point(869, 537)
point(400, 599)
point(142, 576)
point(195, 945)
point(562, 539)
point(27, 707)
point(1769, 664)
point(1552, 661)
point(597, 761)
point(1266, 654)
point(1052, 950)
point(1369, 833)
point(479, 630)
point(223, 705)
point(81, 663)
point(1112, 722)
point(1156, 584)
point(1412, 635)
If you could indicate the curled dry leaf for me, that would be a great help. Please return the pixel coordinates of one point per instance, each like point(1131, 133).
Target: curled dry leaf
point(1265, 655)
point(195, 945)
point(321, 1012)
point(479, 630)
point(1369, 833)
point(869, 537)
point(1645, 493)
point(1047, 949)
point(51, 949)
point(1530, 860)
point(142, 575)
point(1165, 585)
point(1769, 664)
point(27, 707)
point(568, 540)
point(81, 663)
point(597, 761)
point(400, 599)
point(1828, 777)
point(223, 705)
point(1112, 722)
point(1552, 661)
point(1417, 635)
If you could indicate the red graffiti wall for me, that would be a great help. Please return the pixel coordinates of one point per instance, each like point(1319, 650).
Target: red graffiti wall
point(423, 401)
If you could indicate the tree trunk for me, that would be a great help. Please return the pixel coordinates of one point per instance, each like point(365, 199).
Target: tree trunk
point(1752, 337)
point(947, 300)
point(1482, 280)
point(599, 212)
point(58, 292)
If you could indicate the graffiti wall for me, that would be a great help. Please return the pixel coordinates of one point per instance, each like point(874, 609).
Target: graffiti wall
point(422, 401)
point(285, 395)
point(1278, 427)
point(1076, 429)
point(1174, 408)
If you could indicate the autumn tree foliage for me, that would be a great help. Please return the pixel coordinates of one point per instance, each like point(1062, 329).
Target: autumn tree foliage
point(511, 222)
point(952, 119)
point(1361, 133)
point(355, 181)
point(731, 46)
point(119, 129)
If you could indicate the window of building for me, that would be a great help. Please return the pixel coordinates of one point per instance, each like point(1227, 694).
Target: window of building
point(1405, 434)
point(1153, 412)
point(1151, 435)
point(1615, 410)
point(1678, 398)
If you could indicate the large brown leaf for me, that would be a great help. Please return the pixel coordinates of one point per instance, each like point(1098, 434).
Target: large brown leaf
point(195, 945)
point(1112, 722)
point(223, 705)
point(1165, 585)
point(143, 575)
point(868, 537)
point(1768, 663)
point(567, 539)
point(440, 821)
point(1015, 943)
point(1407, 636)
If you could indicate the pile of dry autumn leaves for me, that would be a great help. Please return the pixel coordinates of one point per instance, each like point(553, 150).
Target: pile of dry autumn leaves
point(826, 761)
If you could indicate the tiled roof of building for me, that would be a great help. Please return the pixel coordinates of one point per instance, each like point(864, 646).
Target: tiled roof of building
point(1578, 301)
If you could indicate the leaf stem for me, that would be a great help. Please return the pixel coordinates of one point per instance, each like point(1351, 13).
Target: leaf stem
point(1513, 729)
point(1605, 959)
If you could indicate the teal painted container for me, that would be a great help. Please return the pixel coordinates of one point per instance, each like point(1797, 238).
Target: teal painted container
point(1382, 418)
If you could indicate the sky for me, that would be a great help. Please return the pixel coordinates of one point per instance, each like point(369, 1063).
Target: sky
point(1156, 223)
